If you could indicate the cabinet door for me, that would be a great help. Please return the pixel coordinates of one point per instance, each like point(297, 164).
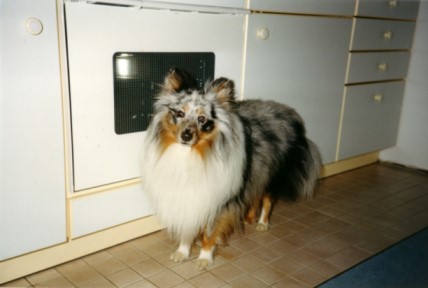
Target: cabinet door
point(100, 155)
point(302, 63)
point(32, 196)
point(371, 118)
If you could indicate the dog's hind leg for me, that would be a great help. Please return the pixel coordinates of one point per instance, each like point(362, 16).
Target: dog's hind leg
point(252, 212)
point(263, 224)
point(182, 253)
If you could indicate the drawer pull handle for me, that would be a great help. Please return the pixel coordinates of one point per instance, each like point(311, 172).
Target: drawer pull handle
point(33, 26)
point(263, 33)
point(393, 3)
point(387, 35)
point(378, 97)
point(382, 67)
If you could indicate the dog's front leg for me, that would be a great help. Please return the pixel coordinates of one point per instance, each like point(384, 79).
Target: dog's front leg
point(182, 253)
point(206, 256)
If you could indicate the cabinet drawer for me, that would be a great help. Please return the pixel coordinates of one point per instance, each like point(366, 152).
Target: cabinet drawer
point(371, 118)
point(369, 67)
point(382, 35)
point(394, 9)
point(321, 7)
point(95, 212)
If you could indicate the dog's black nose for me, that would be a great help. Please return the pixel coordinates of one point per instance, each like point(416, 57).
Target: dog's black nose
point(186, 135)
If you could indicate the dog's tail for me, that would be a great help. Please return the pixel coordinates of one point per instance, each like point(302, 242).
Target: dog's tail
point(312, 169)
point(298, 175)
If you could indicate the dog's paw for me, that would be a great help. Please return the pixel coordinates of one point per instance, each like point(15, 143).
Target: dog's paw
point(178, 257)
point(261, 227)
point(202, 264)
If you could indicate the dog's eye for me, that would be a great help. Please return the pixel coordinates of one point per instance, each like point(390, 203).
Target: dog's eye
point(179, 114)
point(202, 119)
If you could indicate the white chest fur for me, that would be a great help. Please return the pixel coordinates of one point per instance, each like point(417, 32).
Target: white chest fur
point(187, 191)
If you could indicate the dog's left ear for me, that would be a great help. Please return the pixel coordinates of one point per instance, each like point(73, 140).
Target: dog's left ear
point(178, 80)
point(223, 89)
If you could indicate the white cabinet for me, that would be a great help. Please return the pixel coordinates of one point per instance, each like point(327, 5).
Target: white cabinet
point(32, 184)
point(379, 59)
point(302, 63)
point(102, 157)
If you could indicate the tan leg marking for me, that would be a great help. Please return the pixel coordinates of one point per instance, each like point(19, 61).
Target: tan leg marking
point(263, 224)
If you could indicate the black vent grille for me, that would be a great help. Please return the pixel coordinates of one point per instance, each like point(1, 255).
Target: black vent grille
point(137, 76)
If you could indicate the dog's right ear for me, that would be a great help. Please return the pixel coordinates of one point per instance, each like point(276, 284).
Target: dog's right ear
point(223, 90)
point(178, 80)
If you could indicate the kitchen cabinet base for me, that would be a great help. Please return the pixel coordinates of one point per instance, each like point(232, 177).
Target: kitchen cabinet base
point(75, 248)
point(17, 267)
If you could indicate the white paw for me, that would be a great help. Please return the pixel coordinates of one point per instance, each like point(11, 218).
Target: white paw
point(261, 227)
point(202, 264)
point(178, 257)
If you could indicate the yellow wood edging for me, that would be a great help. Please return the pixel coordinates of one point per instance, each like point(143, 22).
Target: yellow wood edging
point(349, 164)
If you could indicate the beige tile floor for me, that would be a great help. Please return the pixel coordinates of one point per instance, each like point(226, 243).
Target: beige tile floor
point(354, 216)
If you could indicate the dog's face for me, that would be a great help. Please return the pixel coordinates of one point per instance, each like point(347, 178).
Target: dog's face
point(190, 116)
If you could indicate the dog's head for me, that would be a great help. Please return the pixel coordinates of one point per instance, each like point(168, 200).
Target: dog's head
point(190, 116)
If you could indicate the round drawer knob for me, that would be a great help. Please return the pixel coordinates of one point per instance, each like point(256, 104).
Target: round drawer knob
point(263, 33)
point(382, 67)
point(33, 26)
point(387, 35)
point(393, 3)
point(378, 97)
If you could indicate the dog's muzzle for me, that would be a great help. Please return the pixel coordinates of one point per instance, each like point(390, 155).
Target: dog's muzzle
point(187, 135)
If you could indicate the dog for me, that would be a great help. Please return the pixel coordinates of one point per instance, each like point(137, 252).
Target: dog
point(211, 163)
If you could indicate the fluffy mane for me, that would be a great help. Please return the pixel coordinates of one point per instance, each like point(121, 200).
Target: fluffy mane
point(190, 184)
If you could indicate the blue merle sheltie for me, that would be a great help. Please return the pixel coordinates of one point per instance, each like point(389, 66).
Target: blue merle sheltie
point(211, 163)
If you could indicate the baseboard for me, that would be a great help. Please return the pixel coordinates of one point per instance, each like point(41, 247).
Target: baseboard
point(349, 164)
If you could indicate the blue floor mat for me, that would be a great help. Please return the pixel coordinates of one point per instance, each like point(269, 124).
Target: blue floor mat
point(402, 265)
